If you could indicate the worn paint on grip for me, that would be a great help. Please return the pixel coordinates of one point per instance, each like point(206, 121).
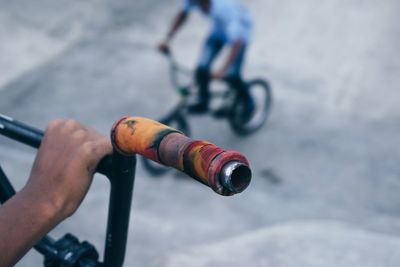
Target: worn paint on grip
point(199, 159)
point(136, 135)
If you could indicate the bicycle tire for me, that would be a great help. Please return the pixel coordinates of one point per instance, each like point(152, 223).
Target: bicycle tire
point(177, 121)
point(260, 92)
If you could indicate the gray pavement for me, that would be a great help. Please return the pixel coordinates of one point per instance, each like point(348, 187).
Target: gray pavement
point(326, 172)
point(314, 243)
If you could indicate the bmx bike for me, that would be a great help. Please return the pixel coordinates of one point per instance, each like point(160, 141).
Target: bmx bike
point(226, 172)
point(230, 105)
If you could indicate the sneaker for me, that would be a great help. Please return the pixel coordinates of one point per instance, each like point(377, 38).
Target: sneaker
point(221, 112)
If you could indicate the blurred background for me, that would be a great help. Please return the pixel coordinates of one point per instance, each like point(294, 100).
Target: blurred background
point(326, 172)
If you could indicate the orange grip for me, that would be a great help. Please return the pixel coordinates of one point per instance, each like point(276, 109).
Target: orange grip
point(199, 159)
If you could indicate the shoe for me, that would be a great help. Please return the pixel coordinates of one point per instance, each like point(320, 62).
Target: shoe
point(222, 112)
point(198, 108)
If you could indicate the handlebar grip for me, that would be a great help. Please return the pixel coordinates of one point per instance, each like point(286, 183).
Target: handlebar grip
point(226, 172)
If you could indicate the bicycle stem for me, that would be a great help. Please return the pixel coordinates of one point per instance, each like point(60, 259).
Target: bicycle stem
point(226, 172)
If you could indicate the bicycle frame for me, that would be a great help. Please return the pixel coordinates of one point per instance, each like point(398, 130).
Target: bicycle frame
point(176, 68)
point(185, 90)
point(120, 171)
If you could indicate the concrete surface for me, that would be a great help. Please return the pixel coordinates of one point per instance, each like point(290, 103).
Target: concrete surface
point(295, 244)
point(329, 153)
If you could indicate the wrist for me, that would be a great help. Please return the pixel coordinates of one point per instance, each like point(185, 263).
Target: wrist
point(51, 209)
point(24, 220)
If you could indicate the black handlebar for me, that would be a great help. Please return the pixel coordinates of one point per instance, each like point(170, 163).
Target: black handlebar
point(31, 136)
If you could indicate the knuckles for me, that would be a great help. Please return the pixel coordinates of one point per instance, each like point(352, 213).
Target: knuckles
point(88, 148)
point(65, 125)
point(54, 124)
point(73, 134)
point(79, 134)
point(72, 128)
point(71, 125)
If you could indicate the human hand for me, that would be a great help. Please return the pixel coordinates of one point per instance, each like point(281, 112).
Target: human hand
point(163, 47)
point(64, 166)
point(218, 75)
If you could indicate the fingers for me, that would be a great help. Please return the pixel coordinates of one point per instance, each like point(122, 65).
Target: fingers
point(94, 146)
point(64, 165)
point(101, 148)
point(102, 144)
point(61, 128)
point(88, 143)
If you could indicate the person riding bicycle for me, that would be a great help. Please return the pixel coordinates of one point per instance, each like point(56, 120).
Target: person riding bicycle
point(232, 26)
point(60, 178)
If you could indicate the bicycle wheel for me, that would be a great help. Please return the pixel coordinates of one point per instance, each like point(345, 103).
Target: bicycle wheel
point(261, 95)
point(177, 121)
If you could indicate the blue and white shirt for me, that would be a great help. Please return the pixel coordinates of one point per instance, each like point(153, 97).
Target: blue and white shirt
point(231, 20)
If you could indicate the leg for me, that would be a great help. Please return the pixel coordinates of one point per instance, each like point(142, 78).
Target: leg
point(234, 77)
point(212, 47)
point(235, 81)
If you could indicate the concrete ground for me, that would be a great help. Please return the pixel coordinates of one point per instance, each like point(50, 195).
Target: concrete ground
point(326, 173)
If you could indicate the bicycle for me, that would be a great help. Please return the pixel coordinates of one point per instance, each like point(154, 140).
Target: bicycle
point(232, 107)
point(226, 172)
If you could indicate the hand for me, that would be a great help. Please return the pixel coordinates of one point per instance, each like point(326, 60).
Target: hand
point(65, 164)
point(163, 47)
point(218, 75)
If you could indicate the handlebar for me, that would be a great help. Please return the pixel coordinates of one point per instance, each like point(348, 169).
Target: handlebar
point(226, 172)
point(33, 137)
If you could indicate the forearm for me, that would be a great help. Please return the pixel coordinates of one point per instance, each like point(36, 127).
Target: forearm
point(60, 178)
point(24, 220)
point(179, 20)
point(234, 51)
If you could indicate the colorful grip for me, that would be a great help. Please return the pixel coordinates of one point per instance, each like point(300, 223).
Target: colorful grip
point(199, 159)
point(136, 135)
